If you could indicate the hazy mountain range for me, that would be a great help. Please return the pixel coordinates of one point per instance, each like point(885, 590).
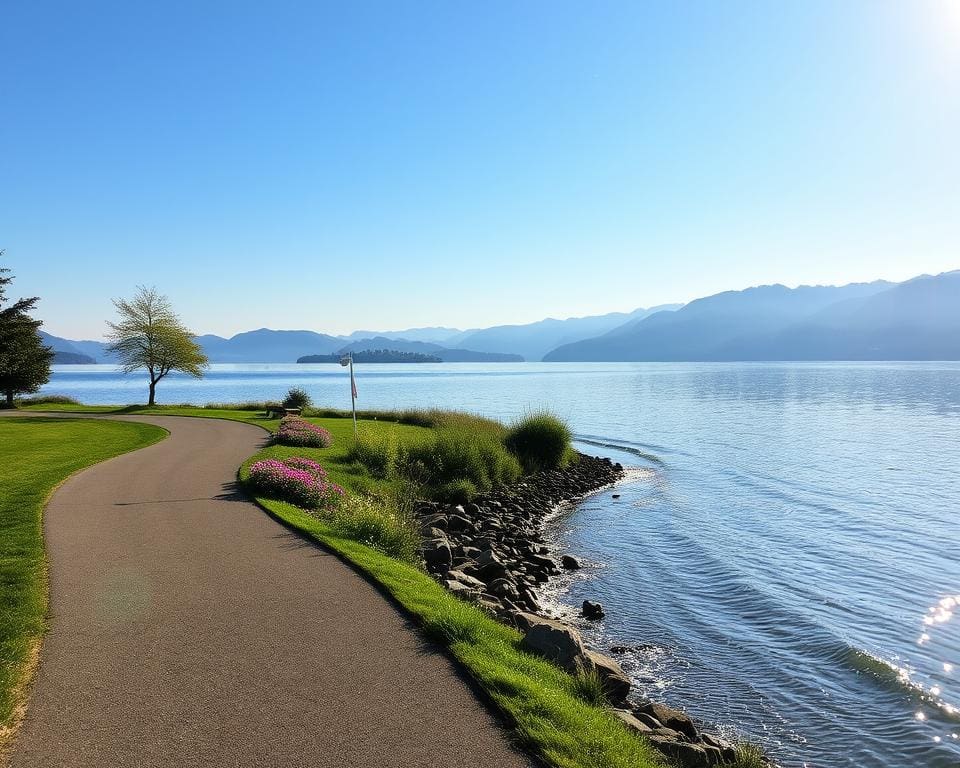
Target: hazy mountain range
point(534, 340)
point(507, 343)
point(915, 320)
point(918, 319)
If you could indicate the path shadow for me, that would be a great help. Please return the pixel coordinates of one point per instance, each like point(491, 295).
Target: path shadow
point(231, 492)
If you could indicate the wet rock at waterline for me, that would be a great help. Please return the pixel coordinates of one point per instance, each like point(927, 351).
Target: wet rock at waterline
point(592, 610)
point(676, 735)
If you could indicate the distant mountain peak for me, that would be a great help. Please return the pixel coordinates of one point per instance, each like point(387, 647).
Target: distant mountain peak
point(916, 319)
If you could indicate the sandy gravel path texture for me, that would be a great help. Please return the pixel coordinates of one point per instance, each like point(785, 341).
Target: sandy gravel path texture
point(187, 628)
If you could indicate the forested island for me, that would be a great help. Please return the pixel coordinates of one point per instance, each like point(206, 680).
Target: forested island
point(374, 356)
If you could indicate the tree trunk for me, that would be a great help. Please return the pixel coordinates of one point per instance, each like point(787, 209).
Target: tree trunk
point(9, 398)
point(153, 393)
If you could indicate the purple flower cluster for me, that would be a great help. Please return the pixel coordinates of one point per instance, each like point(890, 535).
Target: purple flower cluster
point(301, 433)
point(300, 481)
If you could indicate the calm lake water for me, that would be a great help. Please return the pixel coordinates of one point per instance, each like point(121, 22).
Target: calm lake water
point(786, 560)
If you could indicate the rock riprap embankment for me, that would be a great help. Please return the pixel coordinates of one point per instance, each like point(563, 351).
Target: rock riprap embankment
point(493, 549)
point(492, 552)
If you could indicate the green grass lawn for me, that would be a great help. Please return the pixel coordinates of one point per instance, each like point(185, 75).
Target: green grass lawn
point(36, 455)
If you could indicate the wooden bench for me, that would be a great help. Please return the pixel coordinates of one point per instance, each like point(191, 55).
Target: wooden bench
point(278, 411)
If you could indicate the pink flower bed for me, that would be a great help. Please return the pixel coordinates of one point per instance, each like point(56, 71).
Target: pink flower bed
point(300, 481)
point(301, 433)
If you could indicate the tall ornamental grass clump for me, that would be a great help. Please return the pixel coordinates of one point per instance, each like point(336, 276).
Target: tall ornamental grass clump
point(297, 480)
point(302, 434)
point(458, 463)
point(541, 441)
point(462, 456)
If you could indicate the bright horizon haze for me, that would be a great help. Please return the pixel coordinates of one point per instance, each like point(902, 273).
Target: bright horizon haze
point(330, 168)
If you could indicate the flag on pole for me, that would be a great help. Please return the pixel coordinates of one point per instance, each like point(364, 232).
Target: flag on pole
point(353, 385)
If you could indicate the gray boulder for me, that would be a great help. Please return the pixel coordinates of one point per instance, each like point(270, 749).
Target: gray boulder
point(490, 603)
point(461, 590)
point(503, 588)
point(554, 640)
point(437, 552)
point(728, 753)
point(616, 683)
point(465, 579)
point(683, 754)
point(631, 722)
point(669, 717)
point(490, 567)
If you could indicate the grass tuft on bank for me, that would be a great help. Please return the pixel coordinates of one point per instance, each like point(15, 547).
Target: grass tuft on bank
point(540, 441)
point(36, 455)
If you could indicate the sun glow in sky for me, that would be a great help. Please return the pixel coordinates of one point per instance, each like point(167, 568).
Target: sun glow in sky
point(383, 165)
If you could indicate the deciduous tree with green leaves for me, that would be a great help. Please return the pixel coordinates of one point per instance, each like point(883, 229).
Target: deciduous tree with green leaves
point(150, 335)
point(24, 358)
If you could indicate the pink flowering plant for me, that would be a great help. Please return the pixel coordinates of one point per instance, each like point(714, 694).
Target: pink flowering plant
point(297, 480)
point(301, 433)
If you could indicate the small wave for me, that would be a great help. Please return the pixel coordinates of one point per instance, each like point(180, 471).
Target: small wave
point(888, 673)
point(897, 679)
point(618, 447)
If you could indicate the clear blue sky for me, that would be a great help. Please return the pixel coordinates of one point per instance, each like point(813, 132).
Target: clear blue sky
point(383, 165)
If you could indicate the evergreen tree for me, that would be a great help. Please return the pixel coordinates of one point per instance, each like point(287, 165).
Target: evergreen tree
point(24, 359)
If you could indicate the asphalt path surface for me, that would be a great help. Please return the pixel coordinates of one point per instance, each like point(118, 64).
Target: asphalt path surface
point(188, 628)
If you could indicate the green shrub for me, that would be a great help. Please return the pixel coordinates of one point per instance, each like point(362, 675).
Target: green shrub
point(297, 398)
point(416, 418)
point(540, 441)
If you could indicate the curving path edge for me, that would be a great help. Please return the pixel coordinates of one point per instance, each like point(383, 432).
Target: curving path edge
point(188, 628)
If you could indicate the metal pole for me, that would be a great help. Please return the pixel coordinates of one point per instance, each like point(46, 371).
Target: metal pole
point(353, 399)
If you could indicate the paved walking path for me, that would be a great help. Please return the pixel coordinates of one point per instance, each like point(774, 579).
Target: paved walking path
point(188, 628)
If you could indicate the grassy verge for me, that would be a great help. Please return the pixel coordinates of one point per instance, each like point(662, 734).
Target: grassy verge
point(553, 715)
point(36, 455)
point(541, 701)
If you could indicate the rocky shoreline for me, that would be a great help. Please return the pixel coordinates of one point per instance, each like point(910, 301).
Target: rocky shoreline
point(493, 552)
